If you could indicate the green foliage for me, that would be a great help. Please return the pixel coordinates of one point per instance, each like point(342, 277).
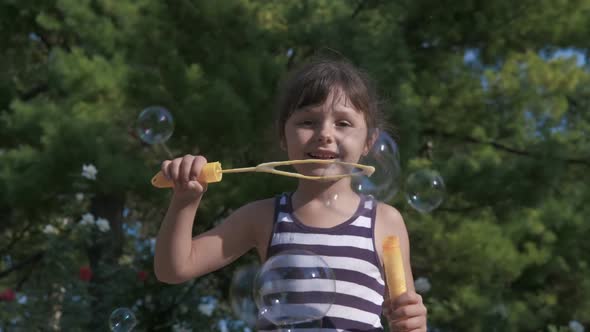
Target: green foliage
point(509, 129)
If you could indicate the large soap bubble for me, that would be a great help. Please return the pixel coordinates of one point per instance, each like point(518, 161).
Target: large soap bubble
point(241, 294)
point(294, 287)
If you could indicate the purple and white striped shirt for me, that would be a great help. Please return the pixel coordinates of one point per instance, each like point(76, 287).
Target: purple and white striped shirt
point(349, 250)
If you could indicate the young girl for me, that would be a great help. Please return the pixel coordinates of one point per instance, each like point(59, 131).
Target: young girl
point(327, 110)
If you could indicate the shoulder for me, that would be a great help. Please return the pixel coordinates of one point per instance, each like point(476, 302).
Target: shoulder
point(389, 218)
point(257, 218)
point(258, 208)
point(388, 222)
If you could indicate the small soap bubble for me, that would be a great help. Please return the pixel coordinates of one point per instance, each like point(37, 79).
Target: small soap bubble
point(241, 294)
point(122, 320)
point(282, 288)
point(384, 183)
point(425, 190)
point(154, 125)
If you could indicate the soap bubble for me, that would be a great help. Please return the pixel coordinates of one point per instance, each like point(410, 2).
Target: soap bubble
point(294, 286)
point(240, 293)
point(384, 183)
point(122, 320)
point(154, 125)
point(425, 190)
point(313, 326)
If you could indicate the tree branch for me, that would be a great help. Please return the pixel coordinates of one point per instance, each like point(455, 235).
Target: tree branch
point(502, 147)
point(31, 260)
point(15, 239)
point(34, 92)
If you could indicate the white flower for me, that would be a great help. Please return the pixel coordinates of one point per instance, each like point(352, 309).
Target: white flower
point(576, 326)
point(422, 285)
point(87, 219)
point(103, 225)
point(125, 260)
point(65, 221)
point(80, 196)
point(181, 327)
point(222, 325)
point(89, 171)
point(290, 52)
point(21, 298)
point(49, 229)
point(206, 309)
point(207, 305)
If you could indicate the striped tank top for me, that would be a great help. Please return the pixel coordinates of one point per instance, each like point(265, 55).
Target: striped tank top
point(349, 250)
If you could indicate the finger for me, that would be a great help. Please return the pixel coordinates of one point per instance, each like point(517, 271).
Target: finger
point(409, 297)
point(421, 329)
point(185, 168)
point(414, 323)
point(164, 168)
point(409, 311)
point(173, 170)
point(196, 167)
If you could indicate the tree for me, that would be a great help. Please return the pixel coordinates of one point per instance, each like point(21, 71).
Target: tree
point(473, 89)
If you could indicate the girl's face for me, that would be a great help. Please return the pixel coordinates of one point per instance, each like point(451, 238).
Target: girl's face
point(333, 130)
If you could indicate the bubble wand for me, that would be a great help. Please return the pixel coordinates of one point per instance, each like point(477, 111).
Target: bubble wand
point(212, 172)
point(394, 267)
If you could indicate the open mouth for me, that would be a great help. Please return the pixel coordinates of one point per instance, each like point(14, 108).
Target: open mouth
point(322, 155)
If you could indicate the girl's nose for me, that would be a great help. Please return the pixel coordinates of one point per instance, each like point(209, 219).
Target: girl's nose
point(326, 133)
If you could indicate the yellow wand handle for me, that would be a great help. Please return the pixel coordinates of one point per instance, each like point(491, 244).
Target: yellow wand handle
point(211, 172)
point(394, 267)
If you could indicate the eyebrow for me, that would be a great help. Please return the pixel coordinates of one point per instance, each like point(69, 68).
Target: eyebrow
point(339, 109)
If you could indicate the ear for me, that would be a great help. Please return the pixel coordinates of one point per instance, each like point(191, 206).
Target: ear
point(372, 136)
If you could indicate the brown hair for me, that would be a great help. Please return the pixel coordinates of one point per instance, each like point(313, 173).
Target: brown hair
point(311, 83)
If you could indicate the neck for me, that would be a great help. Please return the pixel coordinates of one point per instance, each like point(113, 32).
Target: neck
point(309, 191)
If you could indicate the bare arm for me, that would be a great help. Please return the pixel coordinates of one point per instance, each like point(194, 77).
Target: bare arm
point(173, 243)
point(180, 257)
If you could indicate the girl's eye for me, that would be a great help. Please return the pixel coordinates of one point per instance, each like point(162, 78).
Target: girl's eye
point(343, 124)
point(306, 123)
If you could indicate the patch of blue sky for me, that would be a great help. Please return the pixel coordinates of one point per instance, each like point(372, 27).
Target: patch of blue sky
point(566, 53)
point(471, 56)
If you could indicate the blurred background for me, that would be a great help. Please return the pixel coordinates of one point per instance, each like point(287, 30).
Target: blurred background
point(493, 95)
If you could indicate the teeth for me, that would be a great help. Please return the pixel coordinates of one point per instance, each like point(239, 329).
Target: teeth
point(322, 156)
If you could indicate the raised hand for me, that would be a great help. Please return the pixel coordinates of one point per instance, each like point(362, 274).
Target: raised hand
point(183, 172)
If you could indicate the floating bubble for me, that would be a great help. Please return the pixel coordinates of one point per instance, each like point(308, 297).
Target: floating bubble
point(295, 286)
point(240, 293)
point(122, 320)
point(425, 190)
point(384, 183)
point(154, 125)
point(313, 326)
